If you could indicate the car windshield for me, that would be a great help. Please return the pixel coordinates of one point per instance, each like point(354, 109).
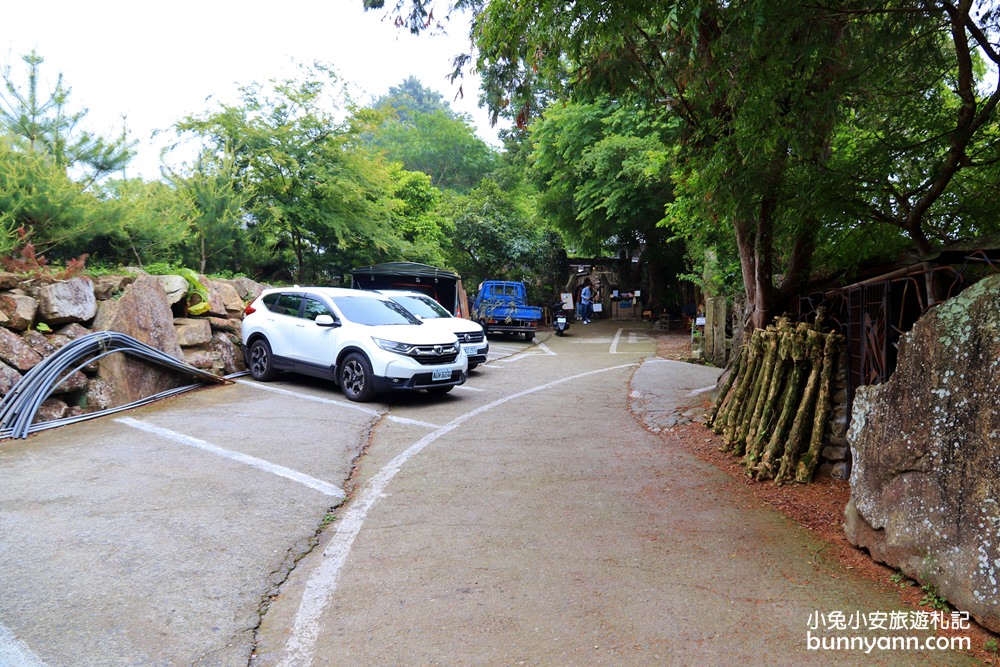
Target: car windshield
point(422, 306)
point(372, 312)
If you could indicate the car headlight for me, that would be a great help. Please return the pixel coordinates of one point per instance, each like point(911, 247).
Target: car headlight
point(392, 346)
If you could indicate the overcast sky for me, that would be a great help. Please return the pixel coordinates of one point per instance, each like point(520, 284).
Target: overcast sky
point(155, 63)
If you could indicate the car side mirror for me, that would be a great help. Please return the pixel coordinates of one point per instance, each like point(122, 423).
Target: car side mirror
point(325, 321)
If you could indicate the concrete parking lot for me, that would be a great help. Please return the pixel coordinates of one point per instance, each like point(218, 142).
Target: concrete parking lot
point(526, 518)
point(157, 535)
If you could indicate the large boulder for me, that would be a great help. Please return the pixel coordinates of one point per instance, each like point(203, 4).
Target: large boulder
point(216, 296)
point(67, 301)
point(16, 351)
point(231, 300)
point(925, 487)
point(228, 352)
point(192, 332)
point(8, 378)
point(247, 289)
point(10, 280)
point(144, 314)
point(176, 287)
point(111, 286)
point(19, 308)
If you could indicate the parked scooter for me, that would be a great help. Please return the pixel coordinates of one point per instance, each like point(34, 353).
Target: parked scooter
point(560, 320)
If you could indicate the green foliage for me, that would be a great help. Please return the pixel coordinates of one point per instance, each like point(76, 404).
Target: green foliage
point(424, 232)
point(146, 222)
point(604, 177)
point(422, 132)
point(932, 599)
point(214, 199)
point(42, 122)
point(496, 238)
point(37, 197)
point(900, 580)
point(317, 201)
point(849, 129)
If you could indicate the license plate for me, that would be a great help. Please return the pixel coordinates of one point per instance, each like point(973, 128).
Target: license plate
point(471, 349)
point(441, 374)
point(561, 320)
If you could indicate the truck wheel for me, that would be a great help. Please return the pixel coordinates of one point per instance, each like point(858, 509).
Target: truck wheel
point(528, 335)
point(356, 378)
point(259, 360)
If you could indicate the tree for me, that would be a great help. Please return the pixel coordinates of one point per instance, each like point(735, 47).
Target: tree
point(215, 200)
point(784, 107)
point(598, 169)
point(495, 236)
point(418, 219)
point(147, 222)
point(930, 154)
point(44, 123)
point(318, 199)
point(39, 199)
point(423, 133)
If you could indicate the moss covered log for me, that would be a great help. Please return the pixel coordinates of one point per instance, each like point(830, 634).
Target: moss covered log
point(773, 408)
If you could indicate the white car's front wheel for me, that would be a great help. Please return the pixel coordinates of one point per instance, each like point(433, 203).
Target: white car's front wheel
point(356, 378)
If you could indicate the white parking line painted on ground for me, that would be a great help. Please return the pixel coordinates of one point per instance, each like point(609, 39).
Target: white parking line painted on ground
point(539, 349)
point(330, 401)
point(633, 339)
point(517, 357)
point(413, 422)
point(465, 387)
point(310, 397)
point(13, 651)
point(503, 348)
point(321, 584)
point(239, 457)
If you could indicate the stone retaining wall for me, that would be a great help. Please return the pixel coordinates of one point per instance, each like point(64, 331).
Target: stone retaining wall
point(39, 316)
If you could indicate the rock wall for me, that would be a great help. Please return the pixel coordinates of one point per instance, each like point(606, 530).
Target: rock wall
point(37, 317)
point(925, 486)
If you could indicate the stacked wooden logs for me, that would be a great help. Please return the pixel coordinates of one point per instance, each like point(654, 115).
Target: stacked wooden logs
point(773, 408)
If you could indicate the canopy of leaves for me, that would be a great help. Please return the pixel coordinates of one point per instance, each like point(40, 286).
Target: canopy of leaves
point(38, 197)
point(421, 131)
point(43, 122)
point(318, 201)
point(495, 236)
point(802, 123)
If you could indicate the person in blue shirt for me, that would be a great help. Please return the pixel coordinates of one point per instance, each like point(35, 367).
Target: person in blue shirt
point(586, 301)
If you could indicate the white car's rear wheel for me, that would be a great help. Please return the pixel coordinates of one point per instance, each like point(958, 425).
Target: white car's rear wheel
point(260, 362)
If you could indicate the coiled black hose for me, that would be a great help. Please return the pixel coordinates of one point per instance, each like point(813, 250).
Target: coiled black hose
point(19, 406)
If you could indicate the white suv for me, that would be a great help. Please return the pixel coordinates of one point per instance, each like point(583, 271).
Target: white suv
point(363, 341)
point(470, 334)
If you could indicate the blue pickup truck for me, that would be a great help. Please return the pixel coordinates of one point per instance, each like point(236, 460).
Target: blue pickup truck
point(501, 306)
